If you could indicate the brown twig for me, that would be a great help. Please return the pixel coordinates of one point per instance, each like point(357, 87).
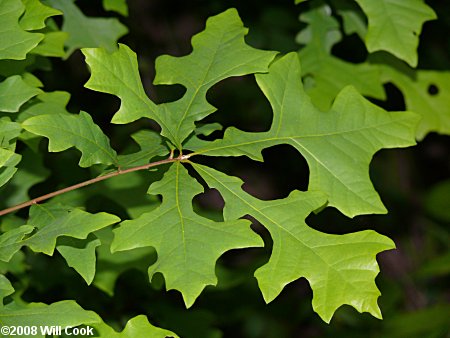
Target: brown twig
point(91, 181)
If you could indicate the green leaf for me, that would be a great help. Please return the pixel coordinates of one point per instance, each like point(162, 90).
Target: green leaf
point(326, 74)
point(119, 6)
point(207, 129)
point(395, 26)
point(322, 31)
point(338, 145)
point(117, 73)
point(52, 44)
point(16, 67)
point(14, 92)
point(35, 15)
point(353, 19)
point(111, 265)
point(45, 103)
point(30, 172)
point(9, 132)
point(8, 158)
point(86, 31)
point(32, 80)
point(55, 221)
point(364, 77)
point(8, 169)
point(219, 52)
point(151, 146)
point(138, 326)
point(12, 241)
point(79, 131)
point(187, 244)
point(15, 42)
point(6, 289)
point(64, 313)
point(341, 269)
point(17, 265)
point(80, 255)
point(417, 88)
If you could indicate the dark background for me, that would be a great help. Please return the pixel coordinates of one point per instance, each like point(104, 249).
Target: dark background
point(414, 277)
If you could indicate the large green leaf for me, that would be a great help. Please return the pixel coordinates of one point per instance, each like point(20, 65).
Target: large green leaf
point(338, 145)
point(86, 31)
point(340, 268)
point(219, 52)
point(326, 75)
point(66, 131)
point(395, 25)
point(187, 244)
point(14, 92)
point(35, 15)
point(15, 42)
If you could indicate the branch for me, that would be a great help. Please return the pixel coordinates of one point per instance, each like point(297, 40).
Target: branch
point(91, 181)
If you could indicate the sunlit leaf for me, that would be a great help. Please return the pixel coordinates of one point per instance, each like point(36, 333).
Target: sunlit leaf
point(219, 52)
point(340, 268)
point(187, 244)
point(338, 145)
point(35, 15)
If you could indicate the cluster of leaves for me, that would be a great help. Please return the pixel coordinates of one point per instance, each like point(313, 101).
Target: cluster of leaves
point(331, 124)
